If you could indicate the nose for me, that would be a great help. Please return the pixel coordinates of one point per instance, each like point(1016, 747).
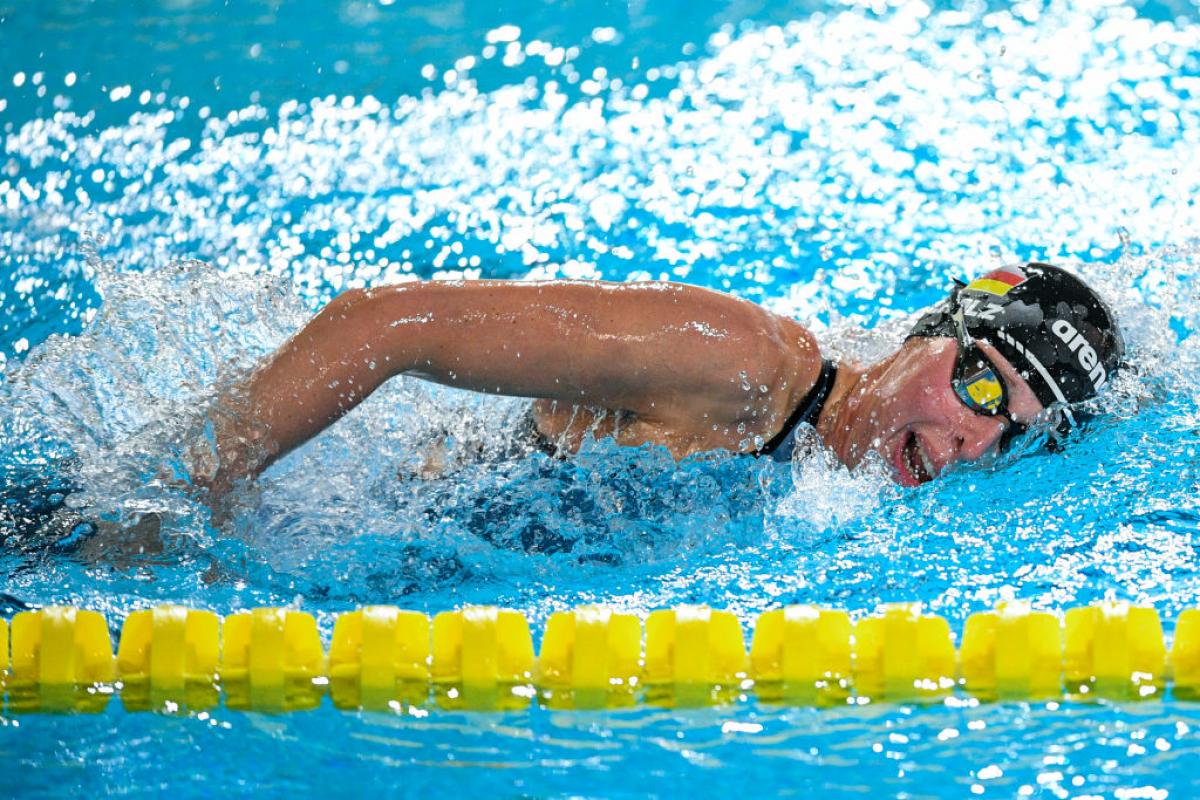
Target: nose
point(980, 436)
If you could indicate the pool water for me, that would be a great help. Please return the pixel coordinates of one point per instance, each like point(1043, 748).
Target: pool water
point(182, 187)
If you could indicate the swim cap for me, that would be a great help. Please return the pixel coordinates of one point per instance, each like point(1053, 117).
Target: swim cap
point(1055, 330)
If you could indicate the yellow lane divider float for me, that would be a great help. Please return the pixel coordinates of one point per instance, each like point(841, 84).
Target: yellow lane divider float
point(379, 657)
point(62, 660)
point(169, 655)
point(482, 658)
point(591, 658)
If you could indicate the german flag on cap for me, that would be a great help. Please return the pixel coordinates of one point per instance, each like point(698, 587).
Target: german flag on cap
point(998, 282)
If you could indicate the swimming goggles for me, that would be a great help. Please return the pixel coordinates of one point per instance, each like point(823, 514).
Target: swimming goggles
point(977, 383)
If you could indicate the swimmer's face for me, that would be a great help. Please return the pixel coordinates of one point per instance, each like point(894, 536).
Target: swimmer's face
point(906, 410)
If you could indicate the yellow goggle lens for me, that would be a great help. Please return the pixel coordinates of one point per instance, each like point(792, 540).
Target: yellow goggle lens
point(985, 390)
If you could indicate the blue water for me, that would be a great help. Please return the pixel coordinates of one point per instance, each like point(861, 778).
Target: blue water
point(182, 186)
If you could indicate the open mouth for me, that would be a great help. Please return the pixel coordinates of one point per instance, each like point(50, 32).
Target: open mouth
point(912, 462)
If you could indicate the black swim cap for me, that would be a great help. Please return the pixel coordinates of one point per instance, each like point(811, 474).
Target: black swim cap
point(1058, 334)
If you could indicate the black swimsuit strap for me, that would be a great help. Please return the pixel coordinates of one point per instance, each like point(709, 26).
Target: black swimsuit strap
point(807, 410)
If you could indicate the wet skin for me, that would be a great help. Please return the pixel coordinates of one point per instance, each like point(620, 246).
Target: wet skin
point(686, 368)
point(905, 409)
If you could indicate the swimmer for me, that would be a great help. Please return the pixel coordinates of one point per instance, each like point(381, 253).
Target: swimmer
point(690, 369)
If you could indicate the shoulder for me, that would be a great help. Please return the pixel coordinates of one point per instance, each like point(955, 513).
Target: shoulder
point(795, 364)
point(774, 350)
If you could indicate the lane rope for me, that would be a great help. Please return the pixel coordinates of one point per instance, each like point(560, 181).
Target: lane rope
point(482, 658)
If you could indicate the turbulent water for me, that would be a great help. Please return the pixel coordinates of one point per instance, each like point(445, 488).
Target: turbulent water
point(839, 168)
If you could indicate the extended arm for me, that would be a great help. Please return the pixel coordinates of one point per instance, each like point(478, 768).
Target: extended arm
point(665, 351)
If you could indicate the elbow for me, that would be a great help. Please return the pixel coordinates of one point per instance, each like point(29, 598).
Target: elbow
point(356, 315)
point(376, 324)
point(349, 328)
point(347, 304)
point(381, 304)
